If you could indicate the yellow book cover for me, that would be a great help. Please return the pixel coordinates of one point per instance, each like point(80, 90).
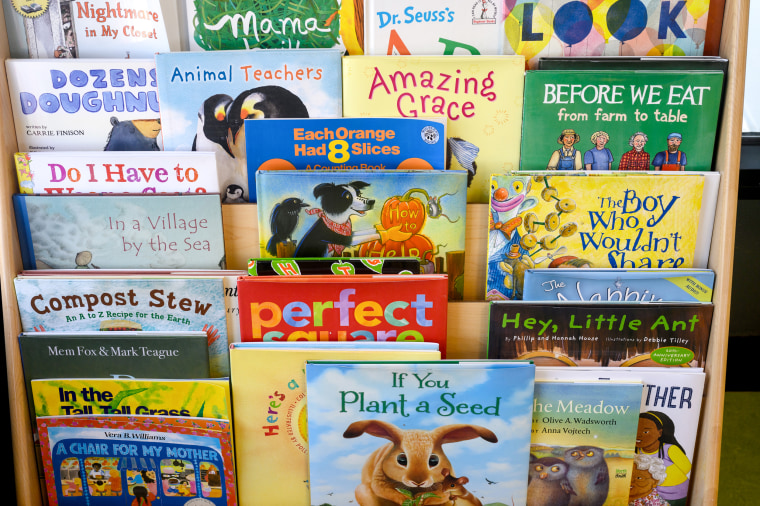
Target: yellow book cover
point(269, 391)
point(481, 96)
point(204, 398)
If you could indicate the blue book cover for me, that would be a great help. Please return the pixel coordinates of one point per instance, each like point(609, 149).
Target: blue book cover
point(207, 96)
point(430, 431)
point(619, 285)
point(120, 231)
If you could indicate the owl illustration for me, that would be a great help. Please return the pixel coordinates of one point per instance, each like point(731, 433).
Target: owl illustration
point(547, 482)
point(588, 475)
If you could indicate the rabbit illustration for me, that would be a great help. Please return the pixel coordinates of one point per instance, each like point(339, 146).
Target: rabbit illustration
point(413, 461)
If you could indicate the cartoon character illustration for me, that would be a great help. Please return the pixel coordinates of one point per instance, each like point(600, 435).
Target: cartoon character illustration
point(454, 488)
point(588, 475)
point(598, 157)
point(83, 259)
point(134, 135)
point(547, 482)
point(143, 496)
point(656, 436)
point(648, 472)
point(465, 153)
point(413, 461)
point(283, 222)
point(672, 158)
point(234, 194)
point(566, 157)
point(636, 158)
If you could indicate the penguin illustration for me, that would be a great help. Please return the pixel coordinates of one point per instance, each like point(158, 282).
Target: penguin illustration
point(283, 222)
point(211, 133)
point(588, 475)
point(233, 194)
point(547, 482)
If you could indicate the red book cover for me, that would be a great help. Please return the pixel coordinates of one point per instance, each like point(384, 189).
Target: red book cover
point(337, 308)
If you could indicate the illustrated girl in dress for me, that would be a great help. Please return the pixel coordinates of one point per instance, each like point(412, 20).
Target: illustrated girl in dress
point(656, 436)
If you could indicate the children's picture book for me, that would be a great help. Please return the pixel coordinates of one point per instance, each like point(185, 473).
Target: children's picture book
point(583, 441)
point(668, 419)
point(548, 219)
point(422, 432)
point(64, 172)
point(371, 214)
point(207, 96)
point(344, 266)
point(607, 334)
point(131, 460)
point(132, 303)
point(269, 391)
point(589, 28)
point(481, 97)
point(120, 231)
point(82, 104)
point(661, 63)
point(344, 308)
point(93, 29)
point(627, 120)
point(619, 285)
point(433, 27)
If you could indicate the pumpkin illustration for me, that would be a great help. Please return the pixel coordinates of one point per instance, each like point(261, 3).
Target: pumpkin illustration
point(418, 246)
point(404, 211)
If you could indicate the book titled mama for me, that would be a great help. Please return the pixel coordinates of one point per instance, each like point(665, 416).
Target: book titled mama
point(120, 231)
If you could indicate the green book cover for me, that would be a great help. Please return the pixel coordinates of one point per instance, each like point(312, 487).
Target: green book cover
point(622, 120)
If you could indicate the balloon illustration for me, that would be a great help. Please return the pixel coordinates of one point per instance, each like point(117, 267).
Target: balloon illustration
point(599, 10)
point(541, 19)
point(696, 34)
point(573, 22)
point(666, 50)
point(697, 8)
point(626, 19)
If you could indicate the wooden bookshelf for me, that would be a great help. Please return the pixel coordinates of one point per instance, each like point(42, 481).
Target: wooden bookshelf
point(468, 321)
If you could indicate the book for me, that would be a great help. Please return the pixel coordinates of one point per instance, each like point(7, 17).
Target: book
point(444, 420)
point(76, 304)
point(339, 267)
point(207, 96)
point(129, 459)
point(570, 28)
point(344, 308)
point(433, 27)
point(481, 97)
point(331, 214)
point(595, 219)
point(669, 415)
point(120, 231)
point(608, 334)
point(662, 63)
point(63, 172)
point(583, 441)
point(94, 29)
point(347, 143)
point(619, 285)
point(623, 120)
point(84, 104)
point(270, 379)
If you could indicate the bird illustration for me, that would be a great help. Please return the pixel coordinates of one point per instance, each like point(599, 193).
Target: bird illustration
point(233, 194)
point(548, 484)
point(211, 133)
point(588, 475)
point(283, 222)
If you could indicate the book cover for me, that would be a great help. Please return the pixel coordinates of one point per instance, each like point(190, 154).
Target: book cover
point(93, 29)
point(481, 97)
point(131, 460)
point(372, 214)
point(84, 104)
point(565, 219)
point(343, 308)
point(662, 63)
point(583, 442)
point(607, 334)
point(619, 285)
point(347, 143)
point(668, 419)
point(589, 28)
point(207, 96)
point(120, 231)
point(127, 303)
point(271, 420)
point(448, 423)
point(64, 172)
point(623, 120)
point(340, 267)
point(433, 27)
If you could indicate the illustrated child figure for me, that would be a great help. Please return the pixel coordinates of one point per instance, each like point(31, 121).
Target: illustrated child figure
point(143, 496)
point(566, 157)
point(636, 158)
point(598, 157)
point(648, 472)
point(656, 437)
point(673, 158)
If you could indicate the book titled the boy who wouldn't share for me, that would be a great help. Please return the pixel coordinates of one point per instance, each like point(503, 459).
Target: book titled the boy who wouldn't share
point(392, 432)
